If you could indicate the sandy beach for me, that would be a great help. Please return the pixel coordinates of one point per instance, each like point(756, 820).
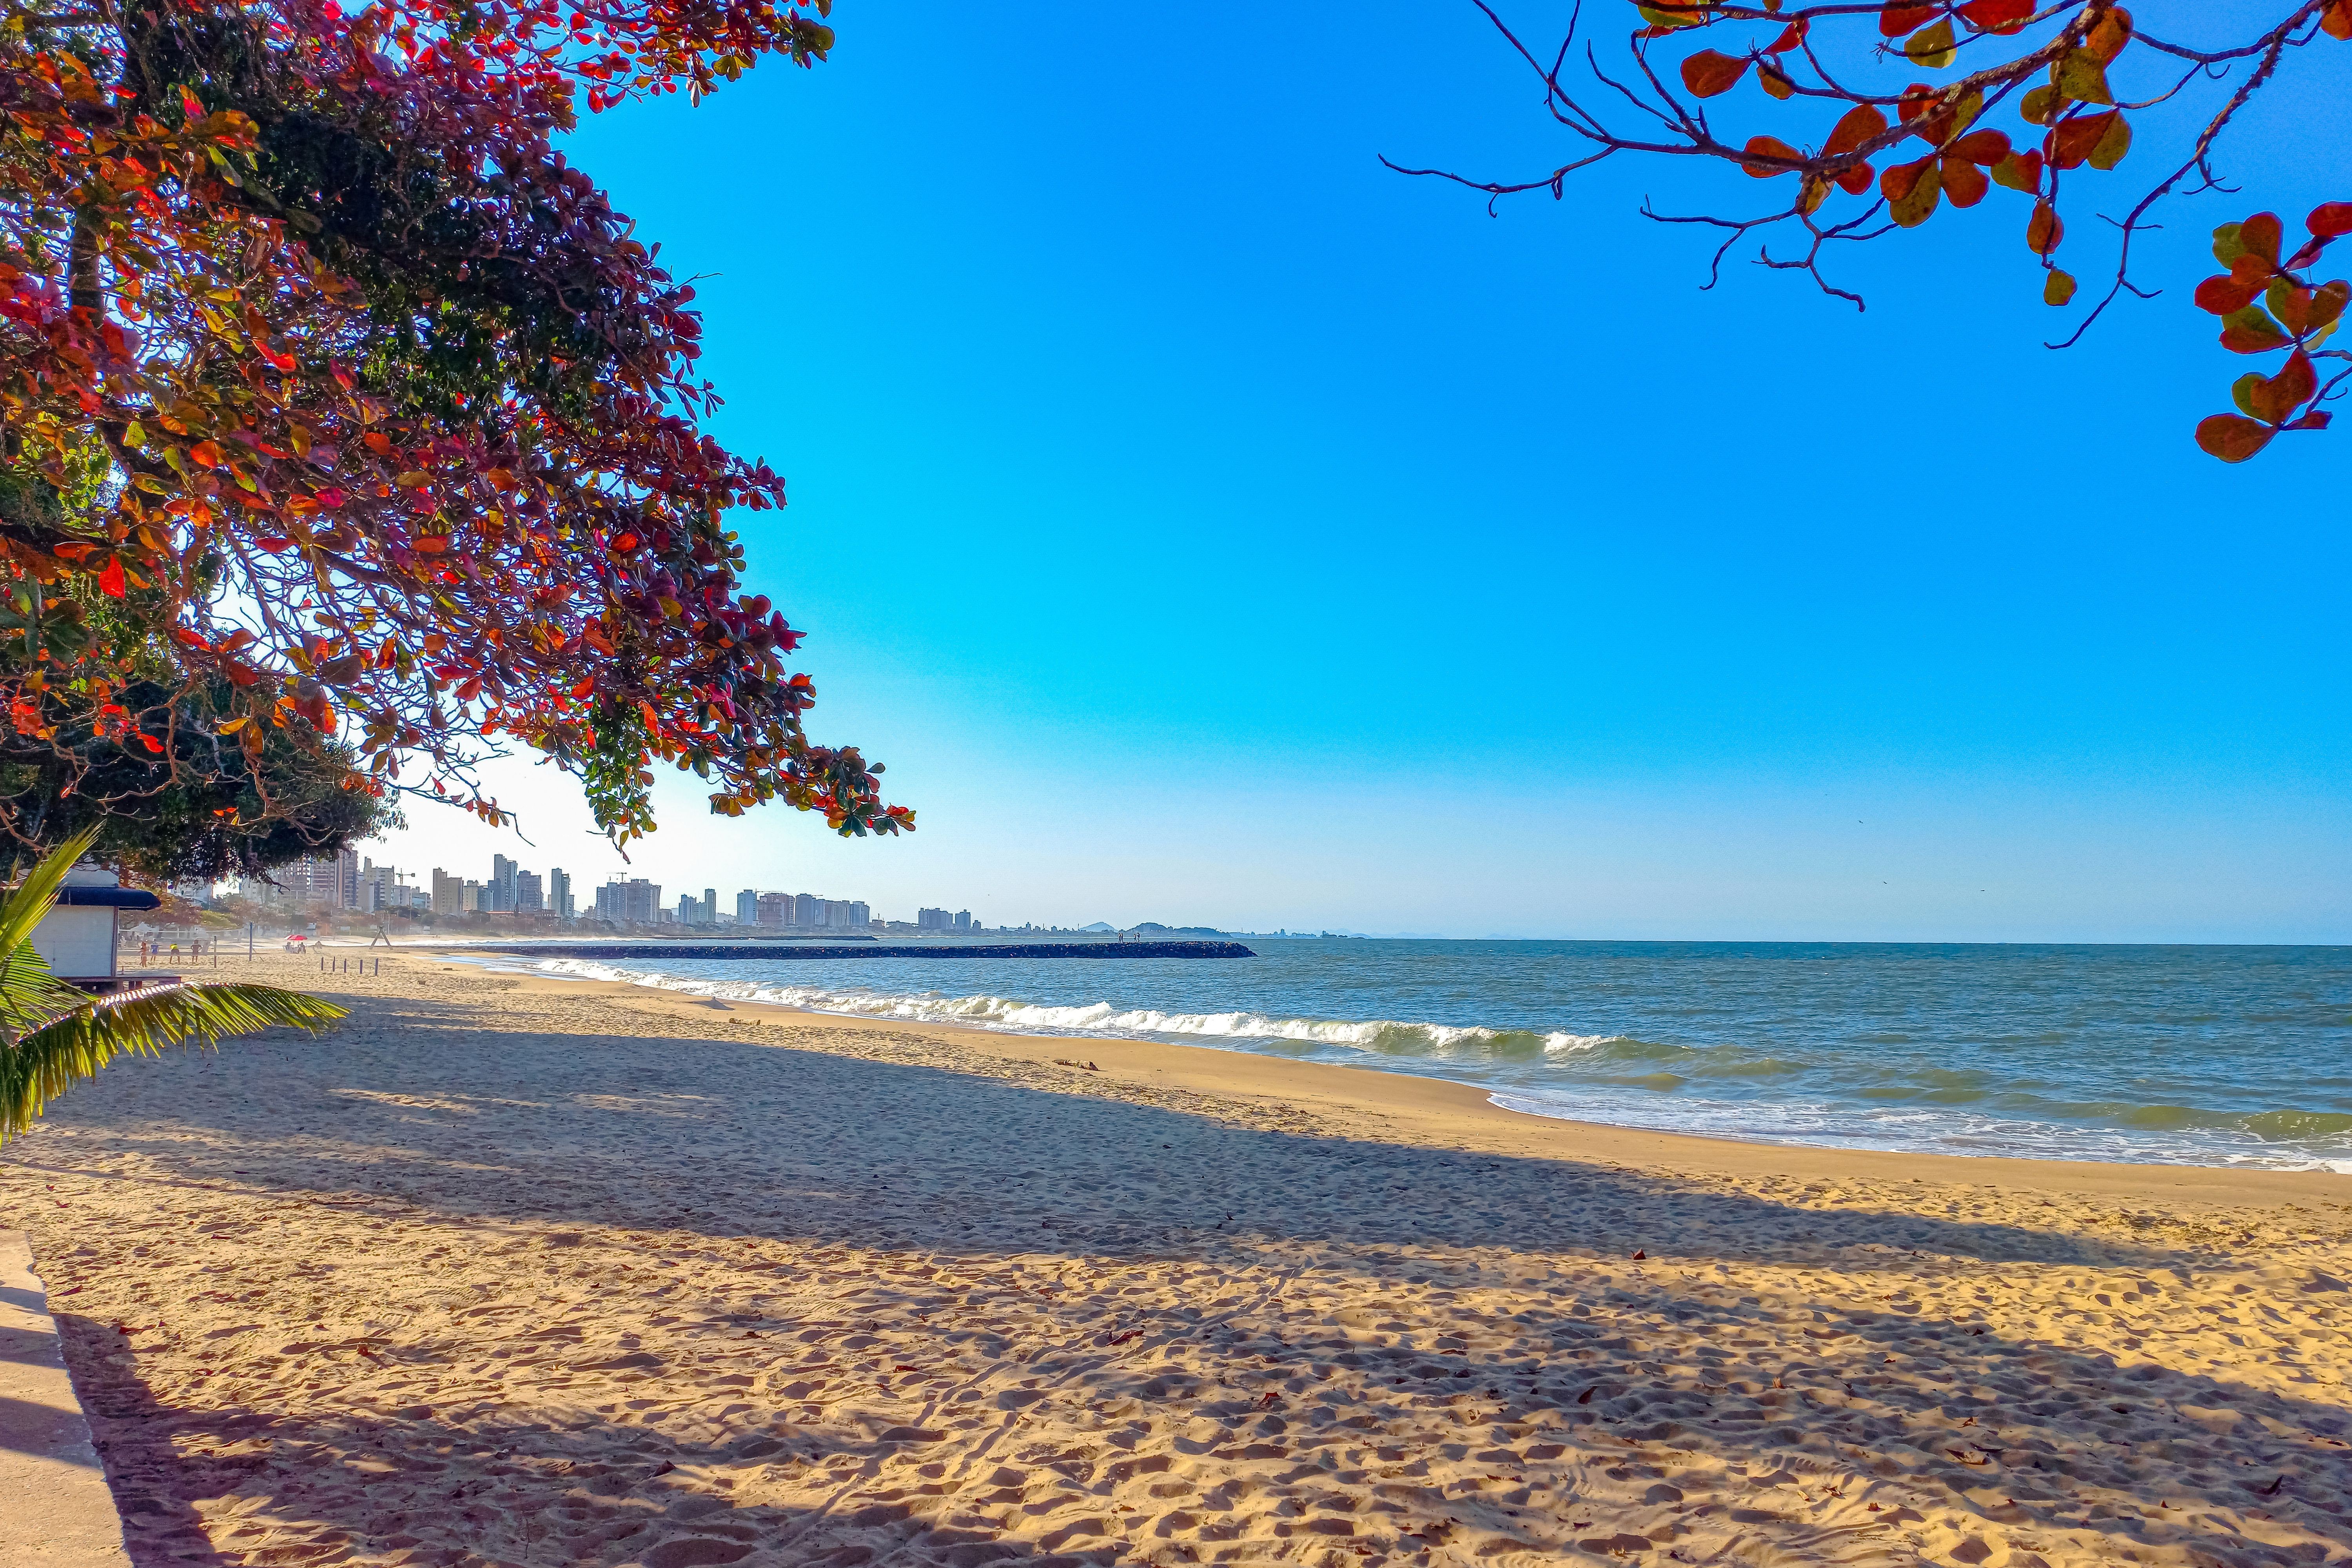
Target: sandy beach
point(519, 1271)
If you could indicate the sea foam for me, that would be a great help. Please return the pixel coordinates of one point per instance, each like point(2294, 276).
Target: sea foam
point(1383, 1036)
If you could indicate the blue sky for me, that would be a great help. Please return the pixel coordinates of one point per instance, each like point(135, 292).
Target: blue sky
point(1207, 525)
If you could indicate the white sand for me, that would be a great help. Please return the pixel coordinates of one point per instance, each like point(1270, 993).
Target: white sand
point(530, 1273)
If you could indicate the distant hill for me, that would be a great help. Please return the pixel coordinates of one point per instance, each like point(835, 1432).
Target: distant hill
point(1155, 929)
point(1099, 925)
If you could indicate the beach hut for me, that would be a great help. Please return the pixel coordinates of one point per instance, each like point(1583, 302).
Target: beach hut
point(77, 937)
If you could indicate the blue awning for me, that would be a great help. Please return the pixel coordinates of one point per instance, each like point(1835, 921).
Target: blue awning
point(108, 898)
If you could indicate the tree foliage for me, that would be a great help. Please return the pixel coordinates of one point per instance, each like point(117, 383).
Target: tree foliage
point(201, 809)
point(321, 365)
point(2038, 99)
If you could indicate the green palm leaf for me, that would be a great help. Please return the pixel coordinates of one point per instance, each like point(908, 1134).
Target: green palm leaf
point(39, 1066)
point(29, 993)
point(53, 1036)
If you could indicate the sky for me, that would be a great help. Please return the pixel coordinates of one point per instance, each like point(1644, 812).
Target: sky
point(1205, 524)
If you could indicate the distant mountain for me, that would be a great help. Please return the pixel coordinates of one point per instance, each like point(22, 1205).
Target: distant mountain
point(1156, 929)
point(1099, 925)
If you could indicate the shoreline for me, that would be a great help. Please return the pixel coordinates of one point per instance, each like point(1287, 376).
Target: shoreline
point(1215, 1068)
point(514, 1269)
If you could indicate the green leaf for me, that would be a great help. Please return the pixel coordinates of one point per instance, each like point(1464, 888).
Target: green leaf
point(69, 1049)
point(2018, 173)
point(29, 993)
point(2251, 330)
point(2113, 145)
point(2083, 79)
point(1657, 19)
point(1932, 46)
point(2039, 105)
point(2058, 288)
point(1918, 204)
point(2241, 391)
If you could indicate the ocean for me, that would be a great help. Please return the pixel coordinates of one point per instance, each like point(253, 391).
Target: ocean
point(2237, 1056)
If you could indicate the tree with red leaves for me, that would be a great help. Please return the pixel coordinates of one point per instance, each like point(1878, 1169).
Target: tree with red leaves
point(330, 386)
point(2059, 71)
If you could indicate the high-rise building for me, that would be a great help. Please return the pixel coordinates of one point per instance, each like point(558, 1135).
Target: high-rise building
point(747, 907)
point(635, 901)
point(447, 893)
point(962, 921)
point(775, 909)
point(559, 893)
point(710, 906)
point(380, 888)
point(527, 897)
point(499, 890)
point(689, 911)
point(808, 910)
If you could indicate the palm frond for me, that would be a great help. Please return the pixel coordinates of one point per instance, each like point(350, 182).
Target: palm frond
point(29, 993)
point(45, 1062)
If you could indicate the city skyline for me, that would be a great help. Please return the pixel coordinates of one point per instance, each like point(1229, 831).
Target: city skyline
point(349, 881)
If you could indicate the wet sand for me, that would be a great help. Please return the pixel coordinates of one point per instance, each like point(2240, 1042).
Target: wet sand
point(521, 1271)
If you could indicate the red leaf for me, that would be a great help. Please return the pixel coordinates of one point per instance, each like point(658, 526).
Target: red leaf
point(1709, 74)
point(1984, 148)
point(1897, 182)
point(153, 744)
point(274, 546)
point(1895, 19)
point(1965, 185)
point(2260, 236)
point(2045, 229)
point(1996, 15)
point(1917, 99)
point(1790, 36)
point(2233, 437)
point(1772, 146)
point(2277, 399)
point(1856, 180)
point(2336, 20)
point(110, 580)
point(2223, 295)
point(2251, 331)
point(1859, 125)
point(2330, 219)
point(2072, 142)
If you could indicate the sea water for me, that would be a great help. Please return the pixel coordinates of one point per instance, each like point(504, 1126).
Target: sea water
point(2168, 1055)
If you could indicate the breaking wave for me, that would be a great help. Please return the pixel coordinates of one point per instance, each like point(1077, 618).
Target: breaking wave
point(1878, 1090)
point(1385, 1037)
